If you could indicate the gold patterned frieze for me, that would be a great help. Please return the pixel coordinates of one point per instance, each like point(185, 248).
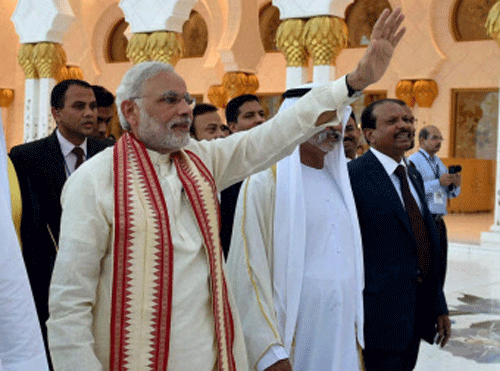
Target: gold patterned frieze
point(493, 22)
point(404, 92)
point(217, 95)
point(136, 48)
point(161, 46)
point(48, 58)
point(25, 59)
point(325, 37)
point(70, 72)
point(425, 92)
point(238, 83)
point(165, 46)
point(290, 40)
point(6, 97)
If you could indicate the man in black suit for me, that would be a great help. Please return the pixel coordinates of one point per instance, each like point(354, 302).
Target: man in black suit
point(403, 297)
point(242, 113)
point(42, 168)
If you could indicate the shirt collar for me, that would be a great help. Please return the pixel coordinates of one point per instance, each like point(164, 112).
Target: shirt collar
point(425, 154)
point(158, 158)
point(387, 162)
point(67, 146)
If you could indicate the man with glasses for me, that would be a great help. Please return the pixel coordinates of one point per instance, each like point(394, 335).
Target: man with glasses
point(139, 281)
point(439, 184)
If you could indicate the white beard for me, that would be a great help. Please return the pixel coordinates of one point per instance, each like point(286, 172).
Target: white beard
point(160, 137)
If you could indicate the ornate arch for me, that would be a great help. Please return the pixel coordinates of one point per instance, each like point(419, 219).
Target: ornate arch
point(269, 21)
point(194, 33)
point(360, 17)
point(469, 17)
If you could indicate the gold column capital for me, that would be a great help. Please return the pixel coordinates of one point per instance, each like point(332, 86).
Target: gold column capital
point(70, 72)
point(325, 37)
point(239, 83)
point(425, 92)
point(290, 41)
point(217, 95)
point(165, 46)
point(6, 97)
point(25, 59)
point(404, 92)
point(493, 22)
point(136, 48)
point(49, 58)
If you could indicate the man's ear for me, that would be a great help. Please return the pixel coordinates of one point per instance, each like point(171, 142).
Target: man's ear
point(55, 113)
point(368, 133)
point(131, 112)
point(232, 126)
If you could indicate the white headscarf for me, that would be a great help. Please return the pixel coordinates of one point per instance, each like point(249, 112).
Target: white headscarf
point(290, 233)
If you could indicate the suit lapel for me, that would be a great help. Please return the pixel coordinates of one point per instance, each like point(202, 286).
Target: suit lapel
point(55, 157)
point(91, 148)
point(383, 182)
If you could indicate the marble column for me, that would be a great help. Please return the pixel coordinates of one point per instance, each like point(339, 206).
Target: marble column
point(491, 239)
point(41, 25)
point(49, 59)
point(25, 59)
point(290, 41)
point(325, 37)
point(156, 26)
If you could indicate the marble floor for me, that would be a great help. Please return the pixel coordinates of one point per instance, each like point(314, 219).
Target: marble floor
point(473, 294)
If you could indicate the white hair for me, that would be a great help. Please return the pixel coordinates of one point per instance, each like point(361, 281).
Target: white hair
point(132, 84)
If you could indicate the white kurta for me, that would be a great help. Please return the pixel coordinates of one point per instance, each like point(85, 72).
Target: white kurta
point(80, 292)
point(325, 329)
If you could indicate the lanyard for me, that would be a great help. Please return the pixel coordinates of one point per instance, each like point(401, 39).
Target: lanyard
point(435, 170)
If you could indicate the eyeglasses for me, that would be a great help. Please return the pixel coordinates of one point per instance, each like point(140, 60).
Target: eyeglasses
point(436, 137)
point(171, 98)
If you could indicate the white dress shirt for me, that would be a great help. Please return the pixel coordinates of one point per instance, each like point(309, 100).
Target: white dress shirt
point(69, 157)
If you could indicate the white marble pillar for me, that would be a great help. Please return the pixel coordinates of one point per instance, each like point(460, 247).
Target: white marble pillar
point(491, 239)
point(46, 123)
point(40, 22)
point(295, 76)
point(31, 95)
point(324, 73)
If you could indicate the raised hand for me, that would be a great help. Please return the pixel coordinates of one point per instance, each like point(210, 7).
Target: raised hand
point(385, 37)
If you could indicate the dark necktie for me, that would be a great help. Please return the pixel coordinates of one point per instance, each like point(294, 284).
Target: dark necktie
point(417, 222)
point(79, 156)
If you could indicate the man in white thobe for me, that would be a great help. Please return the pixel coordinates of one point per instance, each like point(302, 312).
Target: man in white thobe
point(296, 262)
point(133, 213)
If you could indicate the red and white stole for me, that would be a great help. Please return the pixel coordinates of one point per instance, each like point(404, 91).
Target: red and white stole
point(141, 308)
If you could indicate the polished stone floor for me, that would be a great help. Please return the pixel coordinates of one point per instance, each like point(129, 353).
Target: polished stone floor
point(473, 294)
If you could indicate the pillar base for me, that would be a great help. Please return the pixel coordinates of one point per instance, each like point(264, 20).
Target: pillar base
point(491, 240)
